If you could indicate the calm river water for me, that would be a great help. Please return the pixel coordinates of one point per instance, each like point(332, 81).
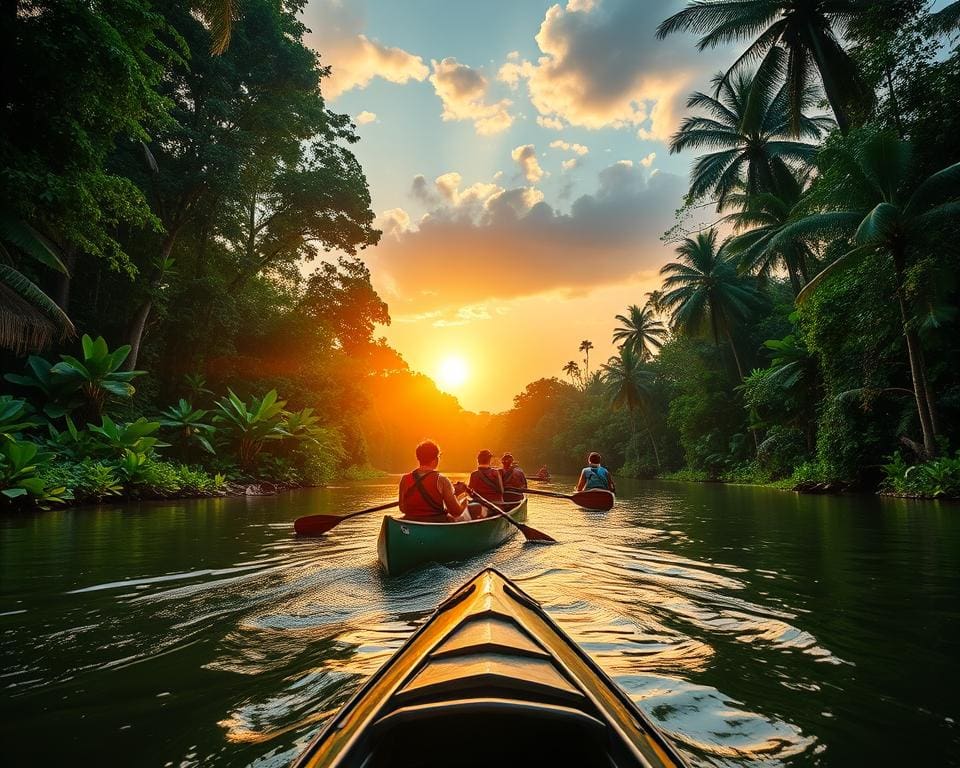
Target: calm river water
point(757, 627)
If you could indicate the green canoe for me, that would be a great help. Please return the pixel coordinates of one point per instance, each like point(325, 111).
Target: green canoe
point(490, 681)
point(404, 544)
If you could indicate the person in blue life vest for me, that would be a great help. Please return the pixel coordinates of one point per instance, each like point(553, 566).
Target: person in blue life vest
point(426, 495)
point(512, 477)
point(595, 476)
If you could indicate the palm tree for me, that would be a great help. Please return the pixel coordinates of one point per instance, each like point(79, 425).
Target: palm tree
point(572, 370)
point(629, 385)
point(886, 218)
point(219, 15)
point(749, 129)
point(654, 299)
point(585, 347)
point(947, 19)
point(789, 36)
point(704, 292)
point(760, 218)
point(641, 331)
point(29, 319)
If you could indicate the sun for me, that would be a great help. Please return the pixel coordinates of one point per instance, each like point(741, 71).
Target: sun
point(452, 372)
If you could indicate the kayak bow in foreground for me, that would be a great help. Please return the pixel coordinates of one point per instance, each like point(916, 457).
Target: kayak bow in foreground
point(490, 680)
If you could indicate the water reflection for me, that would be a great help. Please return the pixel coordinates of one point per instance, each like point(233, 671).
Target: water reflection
point(752, 625)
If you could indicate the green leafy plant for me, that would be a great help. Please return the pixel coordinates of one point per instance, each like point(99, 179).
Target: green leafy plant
point(188, 426)
point(195, 386)
point(20, 461)
point(14, 417)
point(133, 437)
point(250, 425)
point(72, 443)
point(73, 383)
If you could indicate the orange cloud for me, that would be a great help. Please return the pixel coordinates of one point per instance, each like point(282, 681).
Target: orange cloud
point(513, 244)
point(354, 58)
point(463, 93)
point(365, 117)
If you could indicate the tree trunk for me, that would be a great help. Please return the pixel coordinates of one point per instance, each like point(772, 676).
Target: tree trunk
point(894, 106)
point(830, 87)
point(139, 321)
point(62, 289)
point(915, 355)
point(736, 359)
point(653, 443)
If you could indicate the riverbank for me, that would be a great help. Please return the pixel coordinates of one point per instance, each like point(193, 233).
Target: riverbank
point(938, 479)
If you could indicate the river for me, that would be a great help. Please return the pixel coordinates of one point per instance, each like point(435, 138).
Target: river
point(756, 626)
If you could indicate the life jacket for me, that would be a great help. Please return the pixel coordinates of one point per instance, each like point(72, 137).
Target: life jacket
point(486, 482)
point(421, 495)
point(513, 478)
point(597, 477)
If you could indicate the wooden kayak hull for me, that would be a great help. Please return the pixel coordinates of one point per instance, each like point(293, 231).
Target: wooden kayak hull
point(490, 680)
point(605, 508)
point(404, 544)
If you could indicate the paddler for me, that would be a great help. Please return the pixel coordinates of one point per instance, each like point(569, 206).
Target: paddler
point(594, 475)
point(428, 496)
point(511, 475)
point(485, 480)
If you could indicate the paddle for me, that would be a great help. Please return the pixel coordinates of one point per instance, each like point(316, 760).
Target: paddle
point(530, 534)
point(317, 525)
point(596, 498)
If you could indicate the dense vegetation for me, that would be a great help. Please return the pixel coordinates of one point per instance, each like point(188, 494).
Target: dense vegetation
point(167, 170)
point(812, 325)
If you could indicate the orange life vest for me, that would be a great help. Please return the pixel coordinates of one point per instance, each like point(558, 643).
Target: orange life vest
point(486, 482)
point(421, 495)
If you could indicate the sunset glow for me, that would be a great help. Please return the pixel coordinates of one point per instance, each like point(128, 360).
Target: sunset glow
point(452, 373)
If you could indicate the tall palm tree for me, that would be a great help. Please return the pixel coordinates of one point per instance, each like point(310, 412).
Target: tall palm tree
point(760, 218)
point(572, 370)
point(749, 130)
point(887, 218)
point(585, 347)
point(704, 292)
point(641, 331)
point(791, 38)
point(629, 386)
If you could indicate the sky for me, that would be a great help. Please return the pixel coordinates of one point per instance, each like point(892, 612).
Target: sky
point(518, 162)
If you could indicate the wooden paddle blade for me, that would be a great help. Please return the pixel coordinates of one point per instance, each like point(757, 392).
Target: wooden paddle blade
point(596, 499)
point(532, 534)
point(316, 525)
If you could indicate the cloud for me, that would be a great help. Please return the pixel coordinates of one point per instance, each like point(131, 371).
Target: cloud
point(602, 67)
point(355, 59)
point(570, 163)
point(552, 123)
point(394, 222)
point(525, 156)
point(463, 92)
point(647, 161)
point(365, 117)
point(605, 238)
point(578, 149)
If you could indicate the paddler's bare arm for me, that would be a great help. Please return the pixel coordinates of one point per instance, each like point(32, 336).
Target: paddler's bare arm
point(451, 504)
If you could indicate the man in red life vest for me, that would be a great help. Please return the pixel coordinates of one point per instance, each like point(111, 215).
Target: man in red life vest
point(428, 496)
point(511, 475)
point(485, 480)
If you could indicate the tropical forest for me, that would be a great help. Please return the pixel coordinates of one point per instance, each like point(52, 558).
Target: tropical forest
point(260, 258)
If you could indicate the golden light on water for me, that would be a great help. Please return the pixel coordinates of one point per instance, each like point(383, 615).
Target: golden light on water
point(452, 373)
